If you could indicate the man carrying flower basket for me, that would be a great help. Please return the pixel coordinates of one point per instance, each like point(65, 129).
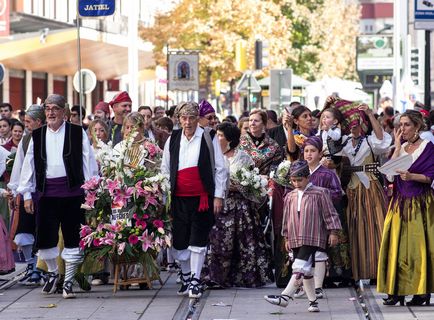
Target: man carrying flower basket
point(198, 179)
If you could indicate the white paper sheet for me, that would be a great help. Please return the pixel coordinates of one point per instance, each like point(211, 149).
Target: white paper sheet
point(401, 163)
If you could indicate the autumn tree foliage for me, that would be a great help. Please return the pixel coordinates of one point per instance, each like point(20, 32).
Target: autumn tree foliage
point(323, 37)
point(314, 37)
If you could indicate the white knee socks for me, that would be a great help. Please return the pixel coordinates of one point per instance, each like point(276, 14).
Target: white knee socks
point(196, 263)
point(293, 284)
point(309, 288)
point(320, 271)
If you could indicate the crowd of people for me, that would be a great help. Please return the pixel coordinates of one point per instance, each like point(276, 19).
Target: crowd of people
point(336, 218)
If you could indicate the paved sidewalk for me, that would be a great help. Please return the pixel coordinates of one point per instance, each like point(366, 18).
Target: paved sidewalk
point(19, 302)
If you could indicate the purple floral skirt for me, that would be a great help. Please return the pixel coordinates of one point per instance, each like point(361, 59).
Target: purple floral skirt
point(238, 256)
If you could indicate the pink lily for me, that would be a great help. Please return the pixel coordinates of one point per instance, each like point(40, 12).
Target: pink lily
point(146, 241)
point(91, 198)
point(91, 184)
point(121, 248)
point(139, 190)
point(112, 185)
point(85, 230)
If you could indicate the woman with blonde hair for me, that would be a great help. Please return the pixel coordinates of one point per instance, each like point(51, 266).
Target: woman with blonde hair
point(98, 130)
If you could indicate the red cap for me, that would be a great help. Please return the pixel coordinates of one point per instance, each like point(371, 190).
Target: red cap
point(425, 113)
point(103, 106)
point(121, 97)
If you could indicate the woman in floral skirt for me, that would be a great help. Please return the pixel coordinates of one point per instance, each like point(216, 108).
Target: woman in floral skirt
point(237, 256)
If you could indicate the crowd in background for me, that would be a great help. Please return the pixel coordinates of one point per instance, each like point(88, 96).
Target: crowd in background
point(338, 148)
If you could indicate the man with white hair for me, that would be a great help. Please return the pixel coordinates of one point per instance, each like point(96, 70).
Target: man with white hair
point(198, 175)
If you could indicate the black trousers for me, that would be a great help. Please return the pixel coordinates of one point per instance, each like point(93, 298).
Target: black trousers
point(191, 227)
point(306, 252)
point(63, 212)
point(26, 222)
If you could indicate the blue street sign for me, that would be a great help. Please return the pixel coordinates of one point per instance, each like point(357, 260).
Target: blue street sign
point(96, 8)
point(424, 14)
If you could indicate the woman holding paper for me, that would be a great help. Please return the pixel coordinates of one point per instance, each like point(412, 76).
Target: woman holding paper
point(406, 263)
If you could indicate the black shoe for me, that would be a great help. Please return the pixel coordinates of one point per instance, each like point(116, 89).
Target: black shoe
point(67, 290)
point(172, 267)
point(50, 285)
point(313, 306)
point(28, 273)
point(60, 284)
point(393, 300)
point(185, 283)
point(143, 286)
point(278, 300)
point(212, 285)
point(195, 289)
point(420, 300)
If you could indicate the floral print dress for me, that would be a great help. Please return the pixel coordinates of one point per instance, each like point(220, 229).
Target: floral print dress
point(237, 255)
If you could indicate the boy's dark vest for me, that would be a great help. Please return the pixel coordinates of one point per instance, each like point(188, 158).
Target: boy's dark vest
point(204, 163)
point(72, 155)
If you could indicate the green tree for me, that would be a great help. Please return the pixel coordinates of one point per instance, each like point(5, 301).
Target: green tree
point(323, 37)
point(294, 29)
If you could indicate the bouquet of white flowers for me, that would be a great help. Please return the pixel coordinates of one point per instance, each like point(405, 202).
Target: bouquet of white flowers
point(281, 176)
point(250, 183)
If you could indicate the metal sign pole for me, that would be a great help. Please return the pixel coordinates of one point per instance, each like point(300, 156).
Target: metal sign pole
point(167, 77)
point(427, 75)
point(280, 90)
point(248, 92)
point(80, 82)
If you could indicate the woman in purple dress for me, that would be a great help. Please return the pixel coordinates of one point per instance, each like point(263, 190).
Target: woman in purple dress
point(237, 256)
point(406, 263)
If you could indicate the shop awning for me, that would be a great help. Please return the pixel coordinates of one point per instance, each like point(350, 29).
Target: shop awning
point(103, 53)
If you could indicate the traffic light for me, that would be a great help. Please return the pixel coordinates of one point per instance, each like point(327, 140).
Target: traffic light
point(258, 54)
point(261, 54)
point(241, 55)
point(414, 65)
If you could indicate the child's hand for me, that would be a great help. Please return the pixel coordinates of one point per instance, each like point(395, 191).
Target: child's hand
point(333, 240)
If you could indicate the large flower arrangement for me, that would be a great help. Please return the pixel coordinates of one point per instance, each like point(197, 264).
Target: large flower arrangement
point(125, 206)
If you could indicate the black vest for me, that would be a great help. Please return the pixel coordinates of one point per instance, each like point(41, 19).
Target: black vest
point(204, 163)
point(72, 155)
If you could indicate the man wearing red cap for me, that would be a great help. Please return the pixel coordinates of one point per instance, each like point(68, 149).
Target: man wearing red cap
point(102, 111)
point(121, 105)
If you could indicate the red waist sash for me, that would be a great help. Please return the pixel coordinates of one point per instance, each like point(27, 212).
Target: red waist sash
point(189, 184)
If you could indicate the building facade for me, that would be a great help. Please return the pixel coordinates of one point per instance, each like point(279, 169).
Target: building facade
point(40, 54)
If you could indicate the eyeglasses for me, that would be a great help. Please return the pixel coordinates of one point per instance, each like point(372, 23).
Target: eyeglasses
point(52, 109)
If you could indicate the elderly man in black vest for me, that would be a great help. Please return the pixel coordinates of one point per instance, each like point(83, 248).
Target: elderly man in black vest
point(57, 163)
point(198, 176)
